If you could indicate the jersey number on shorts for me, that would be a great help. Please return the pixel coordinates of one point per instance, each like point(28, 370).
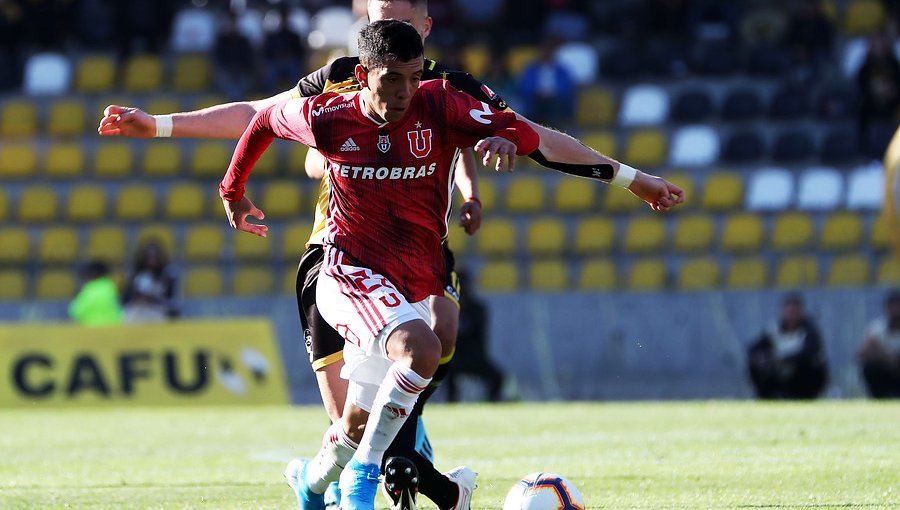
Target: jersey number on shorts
point(359, 278)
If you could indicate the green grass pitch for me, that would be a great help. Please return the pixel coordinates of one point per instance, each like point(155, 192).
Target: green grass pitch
point(681, 455)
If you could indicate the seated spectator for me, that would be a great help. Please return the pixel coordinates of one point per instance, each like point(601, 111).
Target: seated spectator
point(151, 292)
point(285, 55)
point(787, 361)
point(235, 61)
point(878, 81)
point(547, 89)
point(810, 39)
point(879, 354)
point(97, 302)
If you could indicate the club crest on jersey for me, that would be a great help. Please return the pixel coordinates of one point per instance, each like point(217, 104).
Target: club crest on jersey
point(384, 143)
point(419, 142)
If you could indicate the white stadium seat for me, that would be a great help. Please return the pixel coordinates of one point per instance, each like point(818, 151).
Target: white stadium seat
point(330, 27)
point(644, 105)
point(820, 189)
point(694, 146)
point(770, 189)
point(47, 73)
point(865, 187)
point(194, 30)
point(580, 59)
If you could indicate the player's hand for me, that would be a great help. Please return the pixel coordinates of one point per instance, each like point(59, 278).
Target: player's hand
point(127, 121)
point(659, 193)
point(470, 216)
point(238, 212)
point(501, 148)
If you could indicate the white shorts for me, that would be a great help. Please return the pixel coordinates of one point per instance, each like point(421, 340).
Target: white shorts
point(365, 308)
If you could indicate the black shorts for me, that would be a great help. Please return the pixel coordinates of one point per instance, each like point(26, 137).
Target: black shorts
point(324, 345)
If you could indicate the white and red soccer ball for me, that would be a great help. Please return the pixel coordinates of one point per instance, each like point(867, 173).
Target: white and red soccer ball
point(543, 491)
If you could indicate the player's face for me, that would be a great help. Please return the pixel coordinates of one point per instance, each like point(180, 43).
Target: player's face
point(390, 89)
point(403, 11)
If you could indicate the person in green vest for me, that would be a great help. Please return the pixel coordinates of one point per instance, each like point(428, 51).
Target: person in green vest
point(97, 303)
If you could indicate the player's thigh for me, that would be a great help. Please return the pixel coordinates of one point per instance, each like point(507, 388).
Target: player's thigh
point(445, 322)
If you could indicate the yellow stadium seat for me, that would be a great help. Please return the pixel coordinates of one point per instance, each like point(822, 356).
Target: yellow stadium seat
point(487, 193)
point(644, 234)
point(879, 235)
point(64, 160)
point(723, 191)
point(113, 159)
point(525, 195)
point(549, 275)
point(294, 237)
point(620, 200)
point(161, 234)
point(282, 199)
point(191, 73)
point(16, 245)
point(13, 286)
point(742, 232)
point(646, 148)
point(864, 17)
point(575, 195)
point(186, 201)
point(499, 276)
point(596, 106)
point(106, 243)
point(4, 205)
point(598, 275)
point(254, 281)
point(849, 271)
point(604, 142)
point(288, 280)
point(204, 243)
point(207, 100)
point(17, 160)
point(296, 159)
point(686, 182)
point(38, 204)
point(457, 238)
point(888, 271)
point(545, 236)
point(55, 284)
point(694, 233)
point(159, 105)
point(203, 282)
point(19, 118)
point(143, 73)
point(267, 165)
point(67, 118)
point(95, 73)
point(518, 57)
point(497, 237)
point(58, 245)
point(594, 235)
point(647, 275)
point(797, 271)
point(699, 274)
point(163, 159)
point(135, 202)
point(748, 273)
point(792, 231)
point(249, 246)
point(475, 59)
point(841, 231)
point(210, 159)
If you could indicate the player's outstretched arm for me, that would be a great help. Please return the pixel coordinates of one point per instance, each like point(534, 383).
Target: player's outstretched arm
point(227, 120)
point(466, 180)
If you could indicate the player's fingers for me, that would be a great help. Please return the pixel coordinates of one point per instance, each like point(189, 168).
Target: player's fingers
point(257, 213)
point(511, 161)
point(114, 109)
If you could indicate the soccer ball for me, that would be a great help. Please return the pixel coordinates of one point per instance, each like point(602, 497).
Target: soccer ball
point(543, 491)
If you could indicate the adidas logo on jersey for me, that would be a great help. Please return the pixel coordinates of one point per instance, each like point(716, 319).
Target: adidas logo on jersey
point(349, 146)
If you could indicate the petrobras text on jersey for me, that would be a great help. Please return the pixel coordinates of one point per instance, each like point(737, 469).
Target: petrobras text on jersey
point(382, 173)
point(329, 109)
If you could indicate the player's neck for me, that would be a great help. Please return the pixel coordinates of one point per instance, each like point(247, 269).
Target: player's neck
point(365, 104)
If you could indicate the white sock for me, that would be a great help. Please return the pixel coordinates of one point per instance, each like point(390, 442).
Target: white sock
point(393, 403)
point(337, 450)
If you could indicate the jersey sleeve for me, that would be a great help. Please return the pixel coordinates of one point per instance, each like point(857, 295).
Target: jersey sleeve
point(313, 83)
point(288, 120)
point(471, 120)
point(464, 82)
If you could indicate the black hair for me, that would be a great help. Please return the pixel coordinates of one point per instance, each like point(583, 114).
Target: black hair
point(416, 4)
point(388, 40)
point(793, 298)
point(95, 269)
point(893, 297)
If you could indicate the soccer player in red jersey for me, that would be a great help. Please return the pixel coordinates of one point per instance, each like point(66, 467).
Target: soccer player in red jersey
point(387, 215)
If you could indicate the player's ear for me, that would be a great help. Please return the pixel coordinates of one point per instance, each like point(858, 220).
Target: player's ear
point(362, 75)
point(426, 27)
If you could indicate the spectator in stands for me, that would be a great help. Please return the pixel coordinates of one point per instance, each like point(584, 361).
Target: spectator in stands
point(810, 39)
point(879, 354)
point(97, 302)
point(547, 89)
point(144, 25)
point(94, 23)
point(787, 361)
point(878, 82)
point(151, 291)
point(235, 61)
point(285, 55)
point(471, 356)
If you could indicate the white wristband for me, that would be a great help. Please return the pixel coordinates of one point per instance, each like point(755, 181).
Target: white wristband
point(163, 126)
point(624, 176)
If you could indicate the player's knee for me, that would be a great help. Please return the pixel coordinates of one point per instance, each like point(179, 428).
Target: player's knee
point(446, 328)
point(425, 355)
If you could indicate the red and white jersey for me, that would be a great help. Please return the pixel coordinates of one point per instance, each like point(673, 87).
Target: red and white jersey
point(390, 182)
